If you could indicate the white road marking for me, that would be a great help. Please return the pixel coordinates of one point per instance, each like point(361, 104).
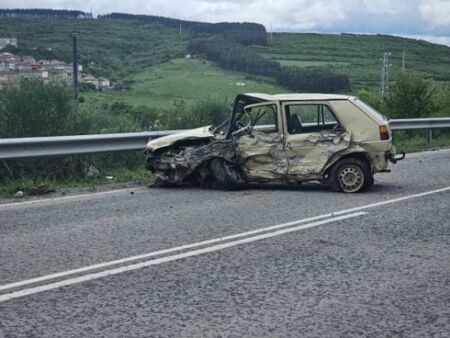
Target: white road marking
point(394, 200)
point(211, 241)
point(157, 253)
point(85, 278)
point(71, 197)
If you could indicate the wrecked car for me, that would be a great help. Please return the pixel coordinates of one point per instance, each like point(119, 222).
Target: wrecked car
point(293, 138)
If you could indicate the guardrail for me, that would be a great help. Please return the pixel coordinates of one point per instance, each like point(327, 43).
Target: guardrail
point(35, 147)
point(424, 123)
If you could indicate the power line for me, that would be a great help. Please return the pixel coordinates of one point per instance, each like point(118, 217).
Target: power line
point(271, 33)
point(403, 61)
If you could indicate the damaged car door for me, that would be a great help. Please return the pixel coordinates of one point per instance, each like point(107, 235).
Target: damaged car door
point(260, 142)
point(313, 136)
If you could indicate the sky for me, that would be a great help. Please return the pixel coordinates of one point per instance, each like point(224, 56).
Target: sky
point(425, 19)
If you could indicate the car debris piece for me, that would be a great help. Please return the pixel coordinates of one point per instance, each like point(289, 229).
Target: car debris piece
point(334, 139)
point(40, 190)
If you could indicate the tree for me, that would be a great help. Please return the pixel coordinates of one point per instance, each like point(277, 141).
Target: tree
point(411, 97)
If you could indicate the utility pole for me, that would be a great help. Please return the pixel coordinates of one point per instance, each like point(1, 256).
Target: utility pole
point(75, 65)
point(271, 33)
point(384, 79)
point(403, 61)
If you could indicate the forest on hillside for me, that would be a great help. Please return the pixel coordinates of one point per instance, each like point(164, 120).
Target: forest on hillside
point(226, 44)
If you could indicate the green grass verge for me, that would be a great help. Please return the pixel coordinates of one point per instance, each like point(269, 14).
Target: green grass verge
point(9, 187)
point(420, 145)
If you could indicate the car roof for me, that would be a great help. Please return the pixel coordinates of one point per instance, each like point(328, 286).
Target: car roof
point(298, 97)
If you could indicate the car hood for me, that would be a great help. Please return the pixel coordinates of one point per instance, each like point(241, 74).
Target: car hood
point(191, 134)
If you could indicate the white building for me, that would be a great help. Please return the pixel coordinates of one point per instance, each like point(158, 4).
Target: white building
point(8, 41)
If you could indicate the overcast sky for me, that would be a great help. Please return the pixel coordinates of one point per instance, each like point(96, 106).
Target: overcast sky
point(429, 19)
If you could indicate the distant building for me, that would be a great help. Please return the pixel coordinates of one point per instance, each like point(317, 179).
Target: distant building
point(13, 68)
point(8, 42)
point(103, 83)
point(98, 83)
point(92, 80)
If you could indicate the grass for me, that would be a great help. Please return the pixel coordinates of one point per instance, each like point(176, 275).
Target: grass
point(358, 56)
point(413, 141)
point(139, 175)
point(185, 80)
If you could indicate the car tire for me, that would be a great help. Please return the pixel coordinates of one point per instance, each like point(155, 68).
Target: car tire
point(225, 174)
point(349, 175)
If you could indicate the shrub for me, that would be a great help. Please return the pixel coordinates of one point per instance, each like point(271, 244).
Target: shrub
point(35, 109)
point(411, 96)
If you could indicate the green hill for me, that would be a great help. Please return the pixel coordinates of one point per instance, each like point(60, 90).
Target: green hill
point(113, 49)
point(185, 80)
point(132, 52)
point(358, 56)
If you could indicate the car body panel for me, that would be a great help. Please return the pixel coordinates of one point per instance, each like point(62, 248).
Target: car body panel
point(308, 153)
point(262, 156)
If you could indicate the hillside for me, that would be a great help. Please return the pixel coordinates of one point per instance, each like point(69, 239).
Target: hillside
point(185, 80)
point(358, 56)
point(129, 51)
point(113, 49)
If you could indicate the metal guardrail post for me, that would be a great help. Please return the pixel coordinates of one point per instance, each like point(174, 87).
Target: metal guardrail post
point(429, 137)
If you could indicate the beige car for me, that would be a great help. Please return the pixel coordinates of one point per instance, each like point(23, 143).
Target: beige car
point(334, 139)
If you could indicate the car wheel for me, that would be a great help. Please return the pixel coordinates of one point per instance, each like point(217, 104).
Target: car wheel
point(350, 175)
point(225, 174)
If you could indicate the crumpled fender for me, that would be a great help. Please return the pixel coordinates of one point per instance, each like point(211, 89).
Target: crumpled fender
point(353, 149)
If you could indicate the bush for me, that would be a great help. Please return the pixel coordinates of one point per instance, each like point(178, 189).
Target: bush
point(411, 96)
point(35, 109)
point(374, 99)
point(206, 111)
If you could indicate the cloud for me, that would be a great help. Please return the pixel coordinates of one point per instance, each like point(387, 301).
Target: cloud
point(381, 6)
point(436, 12)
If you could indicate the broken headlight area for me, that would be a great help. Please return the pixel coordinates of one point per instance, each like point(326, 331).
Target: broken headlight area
point(202, 164)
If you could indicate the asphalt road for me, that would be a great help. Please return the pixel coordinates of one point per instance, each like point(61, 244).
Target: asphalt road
point(267, 261)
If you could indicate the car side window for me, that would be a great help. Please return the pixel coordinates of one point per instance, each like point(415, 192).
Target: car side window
point(309, 118)
point(264, 116)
